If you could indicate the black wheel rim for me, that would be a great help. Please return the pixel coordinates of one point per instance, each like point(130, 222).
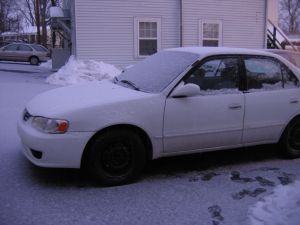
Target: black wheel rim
point(294, 137)
point(34, 61)
point(116, 158)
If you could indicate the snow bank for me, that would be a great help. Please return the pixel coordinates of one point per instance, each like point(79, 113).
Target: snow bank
point(47, 65)
point(282, 207)
point(79, 71)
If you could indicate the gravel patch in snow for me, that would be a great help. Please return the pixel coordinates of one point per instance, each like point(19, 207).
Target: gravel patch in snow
point(80, 71)
point(280, 208)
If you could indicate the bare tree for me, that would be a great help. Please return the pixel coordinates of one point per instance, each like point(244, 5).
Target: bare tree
point(26, 8)
point(35, 13)
point(37, 20)
point(290, 15)
point(9, 20)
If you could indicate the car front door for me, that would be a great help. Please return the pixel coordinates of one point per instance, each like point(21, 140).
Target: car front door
point(214, 118)
point(24, 52)
point(272, 99)
point(9, 52)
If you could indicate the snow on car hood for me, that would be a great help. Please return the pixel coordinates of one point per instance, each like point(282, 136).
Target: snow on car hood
point(69, 99)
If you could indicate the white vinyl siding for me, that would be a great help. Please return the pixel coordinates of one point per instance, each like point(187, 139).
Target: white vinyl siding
point(243, 21)
point(105, 29)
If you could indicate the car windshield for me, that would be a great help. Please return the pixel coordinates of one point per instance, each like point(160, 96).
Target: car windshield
point(157, 71)
point(39, 48)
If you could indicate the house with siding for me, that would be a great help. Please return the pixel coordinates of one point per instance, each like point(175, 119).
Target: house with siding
point(124, 32)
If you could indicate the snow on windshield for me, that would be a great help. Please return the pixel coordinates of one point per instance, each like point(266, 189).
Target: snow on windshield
point(79, 71)
point(157, 71)
point(281, 207)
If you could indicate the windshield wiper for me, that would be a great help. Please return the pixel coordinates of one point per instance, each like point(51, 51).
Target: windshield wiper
point(130, 84)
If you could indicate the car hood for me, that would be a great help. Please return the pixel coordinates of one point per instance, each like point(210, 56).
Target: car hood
point(65, 100)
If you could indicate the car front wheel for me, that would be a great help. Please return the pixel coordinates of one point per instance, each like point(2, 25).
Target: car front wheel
point(116, 157)
point(290, 141)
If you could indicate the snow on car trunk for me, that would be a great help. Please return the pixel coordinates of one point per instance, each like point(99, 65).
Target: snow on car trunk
point(80, 71)
point(281, 207)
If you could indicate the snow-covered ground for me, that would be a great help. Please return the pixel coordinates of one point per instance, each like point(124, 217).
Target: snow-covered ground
point(47, 65)
point(281, 207)
point(238, 187)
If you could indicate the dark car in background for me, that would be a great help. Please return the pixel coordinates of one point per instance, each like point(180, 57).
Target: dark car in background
point(23, 52)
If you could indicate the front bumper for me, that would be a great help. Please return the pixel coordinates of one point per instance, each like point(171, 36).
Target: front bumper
point(57, 150)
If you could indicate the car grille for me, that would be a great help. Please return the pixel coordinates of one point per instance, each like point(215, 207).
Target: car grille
point(26, 115)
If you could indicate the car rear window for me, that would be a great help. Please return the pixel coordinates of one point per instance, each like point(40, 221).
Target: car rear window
point(39, 48)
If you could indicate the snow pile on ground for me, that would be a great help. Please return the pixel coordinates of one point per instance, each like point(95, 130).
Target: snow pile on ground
point(47, 65)
point(79, 71)
point(280, 208)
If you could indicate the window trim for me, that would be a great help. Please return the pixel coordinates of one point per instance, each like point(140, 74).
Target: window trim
point(198, 63)
point(201, 31)
point(137, 38)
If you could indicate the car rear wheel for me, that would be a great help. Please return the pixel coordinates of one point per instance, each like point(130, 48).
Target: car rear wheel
point(290, 141)
point(34, 60)
point(116, 157)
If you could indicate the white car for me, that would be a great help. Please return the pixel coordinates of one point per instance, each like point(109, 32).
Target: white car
point(178, 101)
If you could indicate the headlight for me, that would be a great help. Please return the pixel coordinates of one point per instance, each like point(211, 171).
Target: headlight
point(47, 125)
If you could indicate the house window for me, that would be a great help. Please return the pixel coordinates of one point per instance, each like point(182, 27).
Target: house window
point(148, 36)
point(211, 33)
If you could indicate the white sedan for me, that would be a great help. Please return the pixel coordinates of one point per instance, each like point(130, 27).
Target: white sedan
point(178, 101)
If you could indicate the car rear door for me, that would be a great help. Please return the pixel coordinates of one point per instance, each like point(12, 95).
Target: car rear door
point(212, 119)
point(271, 100)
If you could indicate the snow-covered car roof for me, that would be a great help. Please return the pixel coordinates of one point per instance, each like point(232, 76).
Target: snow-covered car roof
point(206, 51)
point(210, 51)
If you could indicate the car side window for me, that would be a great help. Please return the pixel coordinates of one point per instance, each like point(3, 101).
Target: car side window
point(11, 48)
point(24, 48)
point(289, 79)
point(267, 74)
point(217, 75)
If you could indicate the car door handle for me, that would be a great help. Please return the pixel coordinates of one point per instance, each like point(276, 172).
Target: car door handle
point(294, 100)
point(235, 106)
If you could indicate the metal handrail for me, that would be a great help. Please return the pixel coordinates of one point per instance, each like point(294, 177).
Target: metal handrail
point(275, 42)
point(283, 35)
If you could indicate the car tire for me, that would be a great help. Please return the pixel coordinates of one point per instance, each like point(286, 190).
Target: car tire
point(34, 60)
point(290, 141)
point(116, 157)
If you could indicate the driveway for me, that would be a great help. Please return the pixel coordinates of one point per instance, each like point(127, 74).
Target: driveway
point(204, 189)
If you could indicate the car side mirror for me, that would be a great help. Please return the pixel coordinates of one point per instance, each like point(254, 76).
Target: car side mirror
point(186, 90)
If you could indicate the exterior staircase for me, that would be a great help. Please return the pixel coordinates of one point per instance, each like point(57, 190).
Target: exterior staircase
point(277, 39)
